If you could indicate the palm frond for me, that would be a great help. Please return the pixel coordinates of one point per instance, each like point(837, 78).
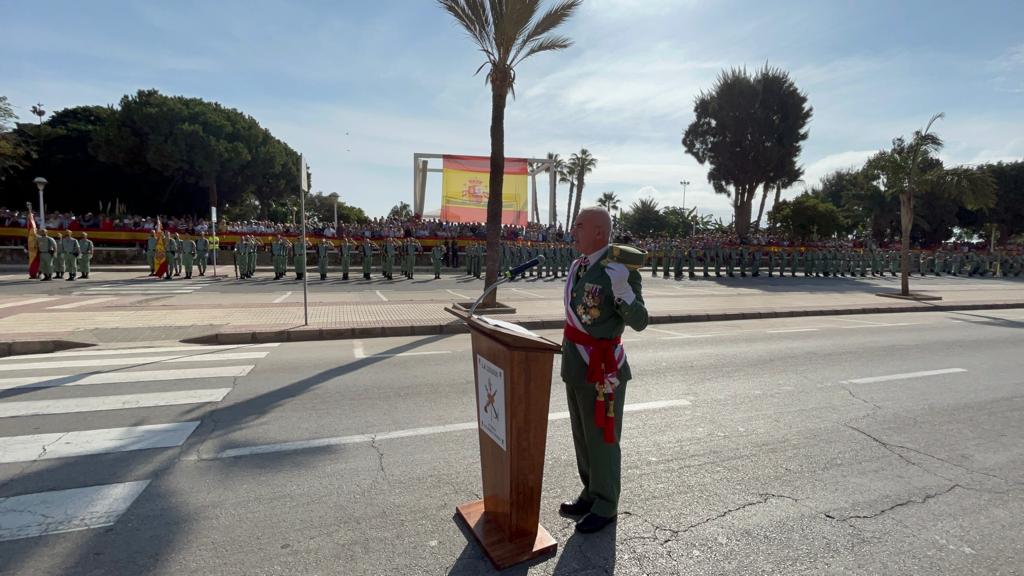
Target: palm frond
point(551, 19)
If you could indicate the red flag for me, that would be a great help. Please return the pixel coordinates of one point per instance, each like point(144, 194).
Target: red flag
point(33, 247)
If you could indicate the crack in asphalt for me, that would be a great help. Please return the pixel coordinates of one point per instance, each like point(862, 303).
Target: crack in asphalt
point(380, 456)
point(891, 448)
point(907, 502)
point(676, 532)
point(868, 402)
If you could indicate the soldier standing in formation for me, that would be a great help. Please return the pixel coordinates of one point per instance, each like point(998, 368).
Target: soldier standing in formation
point(188, 255)
point(346, 256)
point(202, 250)
point(435, 260)
point(367, 251)
point(85, 247)
point(279, 256)
point(177, 254)
point(151, 252)
point(58, 258)
point(300, 258)
point(169, 250)
point(323, 252)
point(69, 247)
point(47, 252)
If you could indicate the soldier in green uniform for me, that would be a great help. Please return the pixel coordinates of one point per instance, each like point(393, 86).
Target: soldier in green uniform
point(299, 251)
point(202, 252)
point(346, 256)
point(367, 254)
point(743, 260)
point(412, 248)
point(323, 253)
point(755, 264)
point(58, 258)
point(605, 297)
point(151, 252)
point(653, 253)
point(47, 252)
point(169, 250)
point(278, 257)
point(177, 254)
point(478, 258)
point(435, 259)
point(69, 248)
point(188, 254)
point(85, 248)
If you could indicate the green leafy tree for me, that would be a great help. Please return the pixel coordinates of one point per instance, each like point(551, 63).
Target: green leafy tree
point(1008, 212)
point(609, 201)
point(507, 33)
point(14, 155)
point(644, 219)
point(583, 163)
point(806, 217)
point(749, 129)
point(401, 211)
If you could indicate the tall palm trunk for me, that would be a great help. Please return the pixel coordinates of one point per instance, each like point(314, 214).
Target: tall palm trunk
point(778, 196)
point(579, 195)
point(568, 208)
point(760, 211)
point(499, 94)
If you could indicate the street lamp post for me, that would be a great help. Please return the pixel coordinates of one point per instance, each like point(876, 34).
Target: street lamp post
point(685, 183)
point(40, 183)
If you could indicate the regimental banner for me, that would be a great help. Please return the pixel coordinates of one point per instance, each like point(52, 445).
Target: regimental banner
point(465, 189)
point(160, 256)
point(33, 247)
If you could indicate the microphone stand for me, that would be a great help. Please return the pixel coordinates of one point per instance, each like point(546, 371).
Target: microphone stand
point(491, 288)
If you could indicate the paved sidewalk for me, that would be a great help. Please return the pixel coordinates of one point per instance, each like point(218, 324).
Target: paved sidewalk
point(231, 319)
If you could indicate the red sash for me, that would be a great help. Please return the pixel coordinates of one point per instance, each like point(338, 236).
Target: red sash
point(602, 353)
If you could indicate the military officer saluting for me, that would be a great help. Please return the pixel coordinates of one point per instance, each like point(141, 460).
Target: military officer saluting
point(323, 252)
point(602, 297)
point(346, 256)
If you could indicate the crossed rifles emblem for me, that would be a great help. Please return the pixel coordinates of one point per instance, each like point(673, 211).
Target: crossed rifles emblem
point(491, 393)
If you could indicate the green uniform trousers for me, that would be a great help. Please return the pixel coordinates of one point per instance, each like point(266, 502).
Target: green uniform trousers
point(599, 463)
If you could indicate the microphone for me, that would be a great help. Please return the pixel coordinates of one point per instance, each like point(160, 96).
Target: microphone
point(525, 266)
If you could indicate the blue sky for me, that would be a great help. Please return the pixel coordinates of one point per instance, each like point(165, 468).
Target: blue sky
point(358, 87)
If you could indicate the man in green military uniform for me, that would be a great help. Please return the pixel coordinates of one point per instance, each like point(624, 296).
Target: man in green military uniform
point(58, 258)
point(346, 256)
point(202, 251)
point(278, 257)
point(367, 253)
point(188, 255)
point(47, 252)
point(299, 251)
point(412, 248)
point(602, 298)
point(435, 260)
point(85, 248)
point(323, 253)
point(69, 248)
point(151, 252)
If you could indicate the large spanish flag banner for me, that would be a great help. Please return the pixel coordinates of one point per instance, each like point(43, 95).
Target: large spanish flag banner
point(160, 256)
point(465, 183)
point(33, 247)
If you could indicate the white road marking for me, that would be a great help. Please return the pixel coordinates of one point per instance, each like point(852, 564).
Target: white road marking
point(149, 350)
point(526, 293)
point(25, 302)
point(708, 335)
point(87, 442)
point(859, 321)
point(123, 377)
point(669, 332)
point(883, 325)
point(66, 510)
point(119, 402)
point(457, 295)
point(791, 330)
point(8, 367)
point(129, 292)
point(89, 302)
point(905, 376)
point(426, 431)
point(360, 353)
point(282, 298)
point(382, 297)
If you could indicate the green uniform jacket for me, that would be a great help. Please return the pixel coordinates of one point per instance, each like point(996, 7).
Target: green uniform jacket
point(611, 321)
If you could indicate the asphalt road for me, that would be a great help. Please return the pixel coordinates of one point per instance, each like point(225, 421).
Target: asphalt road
point(881, 444)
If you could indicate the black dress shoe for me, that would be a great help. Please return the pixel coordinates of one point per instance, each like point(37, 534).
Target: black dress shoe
point(575, 508)
point(593, 523)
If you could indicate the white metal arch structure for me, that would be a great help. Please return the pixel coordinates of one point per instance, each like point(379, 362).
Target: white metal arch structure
point(420, 169)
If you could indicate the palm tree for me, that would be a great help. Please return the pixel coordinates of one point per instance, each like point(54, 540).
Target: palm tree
point(401, 211)
point(507, 33)
point(558, 165)
point(609, 200)
point(584, 164)
point(900, 170)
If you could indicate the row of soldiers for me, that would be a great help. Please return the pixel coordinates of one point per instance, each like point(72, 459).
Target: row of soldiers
point(673, 258)
point(181, 254)
point(63, 254)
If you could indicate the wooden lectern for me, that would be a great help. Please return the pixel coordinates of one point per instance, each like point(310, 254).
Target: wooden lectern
point(512, 369)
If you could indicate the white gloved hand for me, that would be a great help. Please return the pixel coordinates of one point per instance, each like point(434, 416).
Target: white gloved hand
point(620, 281)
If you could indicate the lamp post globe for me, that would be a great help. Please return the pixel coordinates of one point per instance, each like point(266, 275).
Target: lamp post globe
point(40, 183)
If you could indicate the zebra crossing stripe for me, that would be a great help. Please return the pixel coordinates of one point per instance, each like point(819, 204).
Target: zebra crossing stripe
point(89, 442)
point(25, 302)
point(86, 362)
point(60, 511)
point(123, 377)
point(81, 303)
point(117, 402)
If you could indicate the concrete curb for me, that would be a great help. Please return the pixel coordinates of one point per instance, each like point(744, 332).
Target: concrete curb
point(21, 347)
point(455, 327)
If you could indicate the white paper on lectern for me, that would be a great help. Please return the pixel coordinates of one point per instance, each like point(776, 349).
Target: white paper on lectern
point(490, 383)
point(508, 326)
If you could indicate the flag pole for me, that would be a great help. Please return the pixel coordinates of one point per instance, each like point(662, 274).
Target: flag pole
point(303, 185)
